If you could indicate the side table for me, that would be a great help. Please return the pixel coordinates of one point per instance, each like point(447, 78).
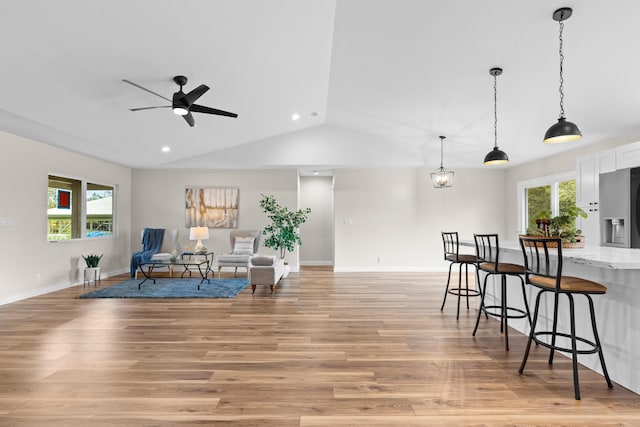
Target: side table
point(208, 256)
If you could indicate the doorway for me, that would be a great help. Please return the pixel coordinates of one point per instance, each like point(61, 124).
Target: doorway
point(317, 234)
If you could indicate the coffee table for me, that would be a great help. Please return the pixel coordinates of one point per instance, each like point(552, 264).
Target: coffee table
point(189, 263)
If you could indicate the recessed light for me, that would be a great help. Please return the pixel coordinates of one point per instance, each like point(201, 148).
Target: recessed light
point(295, 116)
point(166, 149)
point(316, 173)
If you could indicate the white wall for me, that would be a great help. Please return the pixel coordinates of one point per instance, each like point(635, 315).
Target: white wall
point(316, 192)
point(159, 201)
point(31, 265)
point(391, 219)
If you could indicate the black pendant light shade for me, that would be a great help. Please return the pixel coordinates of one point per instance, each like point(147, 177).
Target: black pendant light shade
point(563, 131)
point(442, 178)
point(495, 156)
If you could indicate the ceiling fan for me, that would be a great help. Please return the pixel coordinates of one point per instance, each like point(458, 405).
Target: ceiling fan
point(183, 103)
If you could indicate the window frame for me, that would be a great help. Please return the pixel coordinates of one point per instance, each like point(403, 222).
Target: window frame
point(551, 180)
point(82, 215)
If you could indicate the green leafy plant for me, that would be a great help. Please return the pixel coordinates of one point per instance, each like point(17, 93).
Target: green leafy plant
point(92, 260)
point(563, 225)
point(282, 234)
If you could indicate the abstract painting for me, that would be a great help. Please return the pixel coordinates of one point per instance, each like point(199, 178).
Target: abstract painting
point(211, 207)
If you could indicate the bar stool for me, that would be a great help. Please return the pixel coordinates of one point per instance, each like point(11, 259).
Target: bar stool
point(453, 255)
point(488, 252)
point(544, 272)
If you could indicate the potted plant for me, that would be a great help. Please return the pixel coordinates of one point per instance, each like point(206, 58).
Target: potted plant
point(562, 225)
point(282, 234)
point(92, 260)
point(92, 270)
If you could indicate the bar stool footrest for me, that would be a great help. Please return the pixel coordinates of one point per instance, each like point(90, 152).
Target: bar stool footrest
point(594, 348)
point(521, 313)
point(464, 292)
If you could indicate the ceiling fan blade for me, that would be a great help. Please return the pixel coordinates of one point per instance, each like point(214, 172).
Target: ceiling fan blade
point(193, 96)
point(189, 119)
point(149, 108)
point(145, 89)
point(202, 109)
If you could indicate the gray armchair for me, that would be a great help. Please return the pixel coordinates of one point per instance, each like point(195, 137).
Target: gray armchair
point(244, 245)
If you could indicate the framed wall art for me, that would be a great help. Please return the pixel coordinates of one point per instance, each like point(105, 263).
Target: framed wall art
point(211, 207)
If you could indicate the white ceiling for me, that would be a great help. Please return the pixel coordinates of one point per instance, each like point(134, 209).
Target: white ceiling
point(383, 78)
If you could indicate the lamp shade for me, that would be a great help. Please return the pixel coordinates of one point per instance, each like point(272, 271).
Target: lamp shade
point(199, 233)
point(563, 131)
point(496, 157)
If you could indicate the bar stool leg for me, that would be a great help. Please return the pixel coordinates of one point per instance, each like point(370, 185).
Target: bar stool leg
point(574, 348)
point(446, 289)
point(482, 295)
point(526, 304)
point(597, 340)
point(555, 328)
point(459, 290)
point(504, 313)
point(531, 334)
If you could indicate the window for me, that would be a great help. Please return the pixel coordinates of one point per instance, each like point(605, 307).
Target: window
point(68, 216)
point(99, 208)
point(552, 194)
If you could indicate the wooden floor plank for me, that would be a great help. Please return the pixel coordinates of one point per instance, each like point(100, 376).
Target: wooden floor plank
point(326, 349)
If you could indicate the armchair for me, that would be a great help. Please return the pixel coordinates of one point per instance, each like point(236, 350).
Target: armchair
point(244, 245)
point(155, 250)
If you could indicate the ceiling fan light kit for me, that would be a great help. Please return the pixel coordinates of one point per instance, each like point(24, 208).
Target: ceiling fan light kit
point(183, 104)
point(495, 156)
point(563, 131)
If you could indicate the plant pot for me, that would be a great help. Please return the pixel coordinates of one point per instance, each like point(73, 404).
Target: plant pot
point(287, 270)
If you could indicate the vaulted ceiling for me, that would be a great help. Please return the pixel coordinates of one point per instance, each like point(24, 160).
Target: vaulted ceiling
point(375, 82)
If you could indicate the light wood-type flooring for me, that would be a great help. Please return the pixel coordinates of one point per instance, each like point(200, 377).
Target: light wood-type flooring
point(327, 349)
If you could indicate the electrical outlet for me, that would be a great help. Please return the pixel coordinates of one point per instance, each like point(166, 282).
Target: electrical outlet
point(38, 277)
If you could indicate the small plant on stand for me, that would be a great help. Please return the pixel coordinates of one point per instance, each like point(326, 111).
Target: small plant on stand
point(92, 271)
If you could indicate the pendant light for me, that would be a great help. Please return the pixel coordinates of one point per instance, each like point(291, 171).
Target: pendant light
point(495, 156)
point(442, 178)
point(563, 131)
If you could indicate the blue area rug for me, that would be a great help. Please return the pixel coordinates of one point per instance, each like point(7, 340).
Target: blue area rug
point(171, 288)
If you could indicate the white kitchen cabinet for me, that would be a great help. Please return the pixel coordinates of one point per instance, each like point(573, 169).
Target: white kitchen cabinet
point(588, 170)
point(627, 156)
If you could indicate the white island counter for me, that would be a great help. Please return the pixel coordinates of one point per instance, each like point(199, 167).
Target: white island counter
point(617, 312)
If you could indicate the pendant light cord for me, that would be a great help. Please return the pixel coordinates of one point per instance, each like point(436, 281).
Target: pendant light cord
point(441, 152)
point(561, 78)
point(495, 110)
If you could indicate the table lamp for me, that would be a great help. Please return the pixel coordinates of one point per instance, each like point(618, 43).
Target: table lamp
point(199, 234)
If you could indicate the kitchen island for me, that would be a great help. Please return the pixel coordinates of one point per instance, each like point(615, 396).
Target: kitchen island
point(617, 311)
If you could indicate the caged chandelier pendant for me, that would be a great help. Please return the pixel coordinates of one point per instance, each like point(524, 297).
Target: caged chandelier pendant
point(442, 178)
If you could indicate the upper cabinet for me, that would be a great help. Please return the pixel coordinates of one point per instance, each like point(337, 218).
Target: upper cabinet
point(627, 156)
point(588, 169)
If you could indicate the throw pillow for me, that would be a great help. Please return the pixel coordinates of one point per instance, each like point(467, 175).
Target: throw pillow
point(243, 246)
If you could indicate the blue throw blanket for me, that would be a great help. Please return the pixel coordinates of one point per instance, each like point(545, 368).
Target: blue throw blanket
point(151, 243)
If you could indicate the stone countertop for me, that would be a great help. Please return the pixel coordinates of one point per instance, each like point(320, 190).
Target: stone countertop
point(596, 256)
